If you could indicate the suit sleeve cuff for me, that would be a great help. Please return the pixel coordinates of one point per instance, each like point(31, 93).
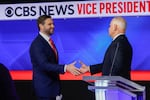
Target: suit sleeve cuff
point(65, 68)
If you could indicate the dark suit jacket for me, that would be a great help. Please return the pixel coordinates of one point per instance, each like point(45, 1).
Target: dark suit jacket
point(122, 61)
point(7, 88)
point(45, 68)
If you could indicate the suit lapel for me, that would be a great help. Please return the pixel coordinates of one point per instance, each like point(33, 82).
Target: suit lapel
point(47, 45)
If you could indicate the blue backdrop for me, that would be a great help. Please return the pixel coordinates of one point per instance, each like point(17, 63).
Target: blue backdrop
point(84, 39)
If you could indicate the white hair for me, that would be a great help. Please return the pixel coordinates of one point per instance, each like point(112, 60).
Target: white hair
point(120, 22)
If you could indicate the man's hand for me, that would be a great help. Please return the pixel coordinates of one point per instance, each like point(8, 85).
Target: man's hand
point(84, 68)
point(72, 69)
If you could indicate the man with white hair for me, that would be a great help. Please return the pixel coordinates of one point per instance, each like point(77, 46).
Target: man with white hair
point(118, 57)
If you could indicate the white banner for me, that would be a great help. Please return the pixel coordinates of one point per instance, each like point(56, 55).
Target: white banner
point(79, 9)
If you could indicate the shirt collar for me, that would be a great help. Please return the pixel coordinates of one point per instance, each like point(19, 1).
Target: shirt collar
point(117, 36)
point(46, 37)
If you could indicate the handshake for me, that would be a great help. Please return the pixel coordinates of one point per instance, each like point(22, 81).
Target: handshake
point(76, 71)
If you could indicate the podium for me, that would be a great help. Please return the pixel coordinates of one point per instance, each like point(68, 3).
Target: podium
point(115, 88)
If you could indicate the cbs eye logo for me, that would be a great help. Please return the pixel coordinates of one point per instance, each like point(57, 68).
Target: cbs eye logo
point(9, 12)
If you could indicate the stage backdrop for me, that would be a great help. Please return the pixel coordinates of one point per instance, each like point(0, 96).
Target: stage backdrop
point(77, 38)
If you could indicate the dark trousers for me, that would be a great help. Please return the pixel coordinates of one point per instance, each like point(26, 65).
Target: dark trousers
point(46, 98)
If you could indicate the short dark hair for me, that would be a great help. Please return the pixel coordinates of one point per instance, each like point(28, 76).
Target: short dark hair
point(41, 20)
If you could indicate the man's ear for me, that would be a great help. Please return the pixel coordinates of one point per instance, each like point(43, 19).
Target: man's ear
point(40, 26)
point(115, 27)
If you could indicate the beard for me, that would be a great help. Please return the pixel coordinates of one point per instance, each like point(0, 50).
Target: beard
point(49, 31)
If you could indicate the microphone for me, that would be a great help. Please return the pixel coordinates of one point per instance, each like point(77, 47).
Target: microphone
point(112, 65)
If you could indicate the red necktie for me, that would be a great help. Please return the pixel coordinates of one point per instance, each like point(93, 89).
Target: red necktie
point(53, 47)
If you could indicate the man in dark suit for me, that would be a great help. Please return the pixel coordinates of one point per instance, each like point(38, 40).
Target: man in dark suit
point(117, 59)
point(7, 88)
point(44, 58)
